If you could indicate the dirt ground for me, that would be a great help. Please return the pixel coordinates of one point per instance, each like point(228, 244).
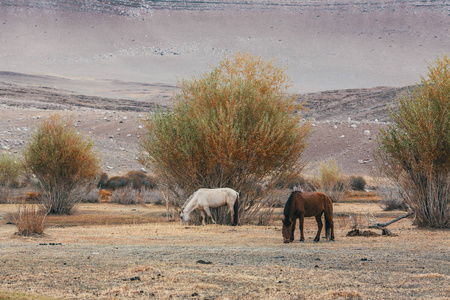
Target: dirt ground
point(165, 260)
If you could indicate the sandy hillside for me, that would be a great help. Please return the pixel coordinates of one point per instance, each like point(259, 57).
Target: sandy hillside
point(324, 44)
point(108, 63)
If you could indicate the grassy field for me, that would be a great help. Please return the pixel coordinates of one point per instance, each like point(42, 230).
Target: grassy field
point(110, 251)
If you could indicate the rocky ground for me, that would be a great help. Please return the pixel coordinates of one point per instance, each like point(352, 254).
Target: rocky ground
point(345, 122)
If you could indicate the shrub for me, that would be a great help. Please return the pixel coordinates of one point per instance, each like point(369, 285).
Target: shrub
point(295, 182)
point(30, 220)
point(140, 180)
point(235, 126)
point(126, 195)
point(392, 204)
point(91, 197)
point(137, 179)
point(63, 163)
point(10, 170)
point(151, 196)
point(357, 183)
point(331, 181)
point(5, 193)
point(390, 198)
point(414, 151)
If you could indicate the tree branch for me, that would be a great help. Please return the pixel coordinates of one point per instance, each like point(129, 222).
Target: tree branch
point(382, 225)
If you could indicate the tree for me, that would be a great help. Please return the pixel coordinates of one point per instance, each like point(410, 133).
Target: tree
point(415, 149)
point(63, 162)
point(235, 126)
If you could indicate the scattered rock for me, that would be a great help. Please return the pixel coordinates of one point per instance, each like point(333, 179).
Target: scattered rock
point(357, 232)
point(387, 232)
point(203, 262)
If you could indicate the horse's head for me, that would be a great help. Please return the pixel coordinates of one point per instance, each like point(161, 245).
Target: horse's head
point(286, 231)
point(184, 218)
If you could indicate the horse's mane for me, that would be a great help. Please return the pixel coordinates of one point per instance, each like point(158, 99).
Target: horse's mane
point(189, 199)
point(287, 209)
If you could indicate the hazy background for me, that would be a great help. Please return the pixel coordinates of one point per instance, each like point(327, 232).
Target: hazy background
point(101, 46)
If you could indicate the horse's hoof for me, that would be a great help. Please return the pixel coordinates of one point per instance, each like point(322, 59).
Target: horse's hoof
point(332, 241)
point(315, 241)
point(301, 241)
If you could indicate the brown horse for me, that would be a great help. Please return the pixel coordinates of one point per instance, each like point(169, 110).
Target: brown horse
point(301, 205)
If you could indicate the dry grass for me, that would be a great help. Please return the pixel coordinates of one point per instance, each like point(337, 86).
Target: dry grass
point(160, 260)
point(20, 296)
point(29, 220)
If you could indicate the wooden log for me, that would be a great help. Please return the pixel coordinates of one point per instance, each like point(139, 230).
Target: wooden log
point(382, 225)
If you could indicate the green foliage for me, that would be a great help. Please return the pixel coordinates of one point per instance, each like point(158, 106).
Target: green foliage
point(10, 169)
point(232, 127)
point(415, 148)
point(63, 162)
point(329, 173)
point(331, 181)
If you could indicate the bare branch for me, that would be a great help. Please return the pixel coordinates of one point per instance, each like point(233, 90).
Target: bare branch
point(382, 225)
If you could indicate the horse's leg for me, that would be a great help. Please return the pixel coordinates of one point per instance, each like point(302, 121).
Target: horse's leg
point(302, 219)
point(319, 227)
point(231, 212)
point(203, 217)
point(208, 213)
point(291, 239)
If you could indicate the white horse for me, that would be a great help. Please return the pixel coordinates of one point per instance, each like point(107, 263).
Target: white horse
point(203, 199)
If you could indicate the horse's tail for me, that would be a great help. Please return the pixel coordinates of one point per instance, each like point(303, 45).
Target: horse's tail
point(236, 210)
point(327, 227)
point(328, 217)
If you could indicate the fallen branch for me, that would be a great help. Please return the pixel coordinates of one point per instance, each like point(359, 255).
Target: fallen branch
point(381, 225)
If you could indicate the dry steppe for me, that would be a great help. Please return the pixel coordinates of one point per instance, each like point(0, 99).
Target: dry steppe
point(106, 64)
point(148, 258)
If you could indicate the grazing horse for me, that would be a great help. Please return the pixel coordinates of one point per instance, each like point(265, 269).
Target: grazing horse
point(203, 199)
point(301, 205)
